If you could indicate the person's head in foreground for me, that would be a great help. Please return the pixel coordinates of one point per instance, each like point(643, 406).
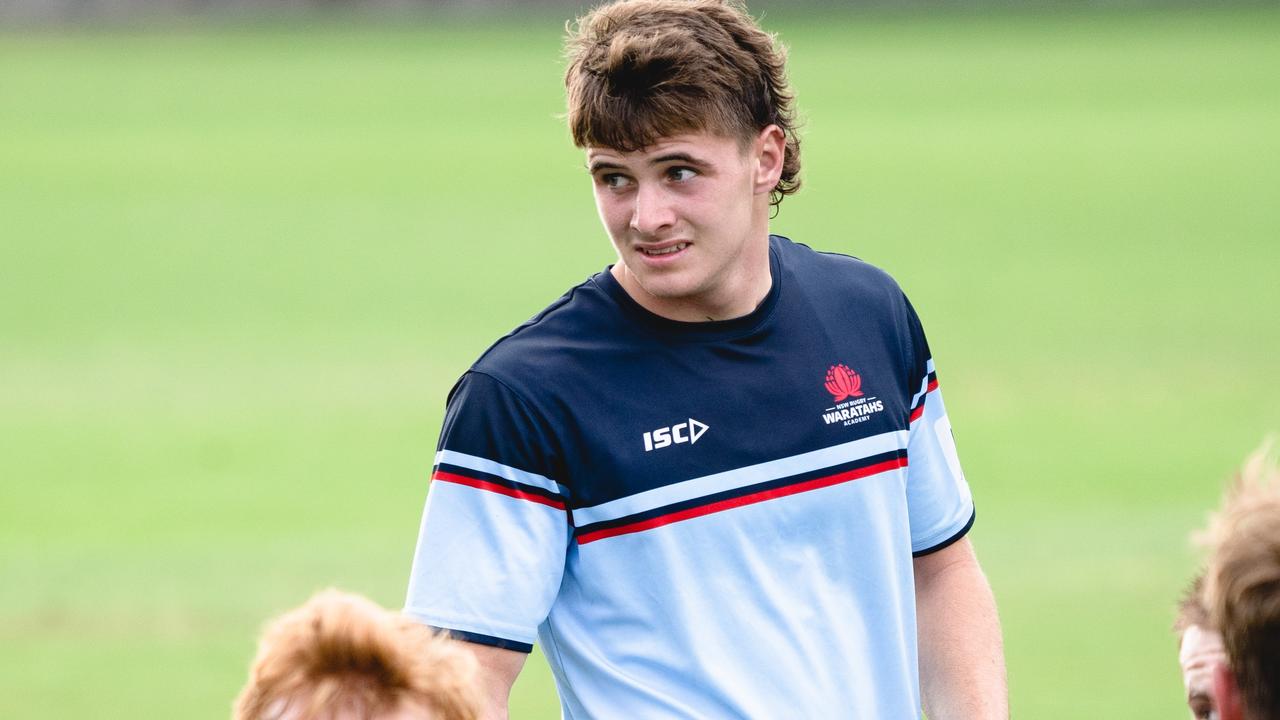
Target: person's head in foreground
point(1242, 591)
point(342, 657)
point(1199, 651)
point(684, 110)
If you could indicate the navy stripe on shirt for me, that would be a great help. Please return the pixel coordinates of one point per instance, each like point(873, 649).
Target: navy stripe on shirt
point(480, 480)
point(738, 497)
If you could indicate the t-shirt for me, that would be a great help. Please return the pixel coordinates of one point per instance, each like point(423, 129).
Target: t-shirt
point(700, 520)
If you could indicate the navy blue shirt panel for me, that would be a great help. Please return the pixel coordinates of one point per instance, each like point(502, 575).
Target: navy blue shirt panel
point(599, 432)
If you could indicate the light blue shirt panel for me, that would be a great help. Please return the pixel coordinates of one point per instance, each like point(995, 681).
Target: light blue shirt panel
point(937, 493)
point(486, 563)
point(800, 606)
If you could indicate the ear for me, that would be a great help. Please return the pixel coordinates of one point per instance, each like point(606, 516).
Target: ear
point(769, 150)
point(1226, 693)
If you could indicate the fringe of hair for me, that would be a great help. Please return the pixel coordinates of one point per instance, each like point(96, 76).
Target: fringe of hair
point(642, 70)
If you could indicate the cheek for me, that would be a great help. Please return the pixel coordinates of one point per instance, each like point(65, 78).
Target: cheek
point(729, 201)
point(613, 214)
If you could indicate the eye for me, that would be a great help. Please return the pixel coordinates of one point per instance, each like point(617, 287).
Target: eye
point(614, 181)
point(681, 173)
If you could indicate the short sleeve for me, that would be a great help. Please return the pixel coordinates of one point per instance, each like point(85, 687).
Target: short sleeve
point(939, 502)
point(495, 530)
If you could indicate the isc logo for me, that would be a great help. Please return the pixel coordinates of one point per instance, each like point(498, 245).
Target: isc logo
point(685, 432)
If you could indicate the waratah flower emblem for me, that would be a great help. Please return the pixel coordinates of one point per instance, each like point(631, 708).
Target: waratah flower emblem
point(843, 383)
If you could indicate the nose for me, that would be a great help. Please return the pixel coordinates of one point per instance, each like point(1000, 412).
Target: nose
point(652, 212)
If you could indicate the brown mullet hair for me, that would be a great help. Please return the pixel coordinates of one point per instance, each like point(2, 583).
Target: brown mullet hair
point(1242, 584)
point(642, 70)
point(343, 656)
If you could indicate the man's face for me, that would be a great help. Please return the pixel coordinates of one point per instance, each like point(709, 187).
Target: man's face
point(1200, 651)
point(688, 217)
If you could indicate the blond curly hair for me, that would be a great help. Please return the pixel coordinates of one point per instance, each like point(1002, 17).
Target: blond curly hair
point(1242, 583)
point(341, 656)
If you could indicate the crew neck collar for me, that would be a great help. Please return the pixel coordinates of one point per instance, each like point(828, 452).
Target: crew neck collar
point(698, 331)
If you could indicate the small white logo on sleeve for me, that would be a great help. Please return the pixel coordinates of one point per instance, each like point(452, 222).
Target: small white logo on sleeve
point(947, 442)
point(678, 434)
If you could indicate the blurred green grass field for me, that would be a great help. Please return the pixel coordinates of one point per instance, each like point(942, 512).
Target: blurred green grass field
point(241, 266)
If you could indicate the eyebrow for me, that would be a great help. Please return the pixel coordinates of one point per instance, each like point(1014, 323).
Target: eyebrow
point(677, 157)
point(598, 165)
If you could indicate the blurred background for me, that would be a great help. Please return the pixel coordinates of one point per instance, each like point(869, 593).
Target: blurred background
point(247, 247)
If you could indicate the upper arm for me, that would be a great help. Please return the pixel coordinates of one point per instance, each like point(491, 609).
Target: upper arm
point(961, 653)
point(496, 674)
point(929, 567)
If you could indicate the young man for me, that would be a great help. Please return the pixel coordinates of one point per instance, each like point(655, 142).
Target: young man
point(1199, 651)
point(716, 480)
point(1242, 590)
point(342, 657)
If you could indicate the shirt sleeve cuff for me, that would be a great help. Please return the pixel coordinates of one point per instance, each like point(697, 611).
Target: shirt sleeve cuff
point(490, 640)
point(938, 546)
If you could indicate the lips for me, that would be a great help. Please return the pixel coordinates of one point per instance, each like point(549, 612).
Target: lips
point(663, 250)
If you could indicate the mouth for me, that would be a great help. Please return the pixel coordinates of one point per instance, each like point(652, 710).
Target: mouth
point(664, 251)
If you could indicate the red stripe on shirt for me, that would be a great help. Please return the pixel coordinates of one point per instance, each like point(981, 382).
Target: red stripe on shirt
point(748, 499)
point(915, 414)
point(496, 488)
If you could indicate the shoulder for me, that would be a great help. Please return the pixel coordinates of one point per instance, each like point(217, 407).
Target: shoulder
point(553, 340)
point(840, 277)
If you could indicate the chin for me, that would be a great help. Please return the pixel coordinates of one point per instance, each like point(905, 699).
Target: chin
point(670, 288)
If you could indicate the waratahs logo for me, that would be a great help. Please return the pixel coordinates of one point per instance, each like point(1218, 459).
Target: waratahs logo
point(843, 383)
point(852, 404)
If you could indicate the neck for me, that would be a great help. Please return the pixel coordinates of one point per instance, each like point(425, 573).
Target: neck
point(736, 295)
